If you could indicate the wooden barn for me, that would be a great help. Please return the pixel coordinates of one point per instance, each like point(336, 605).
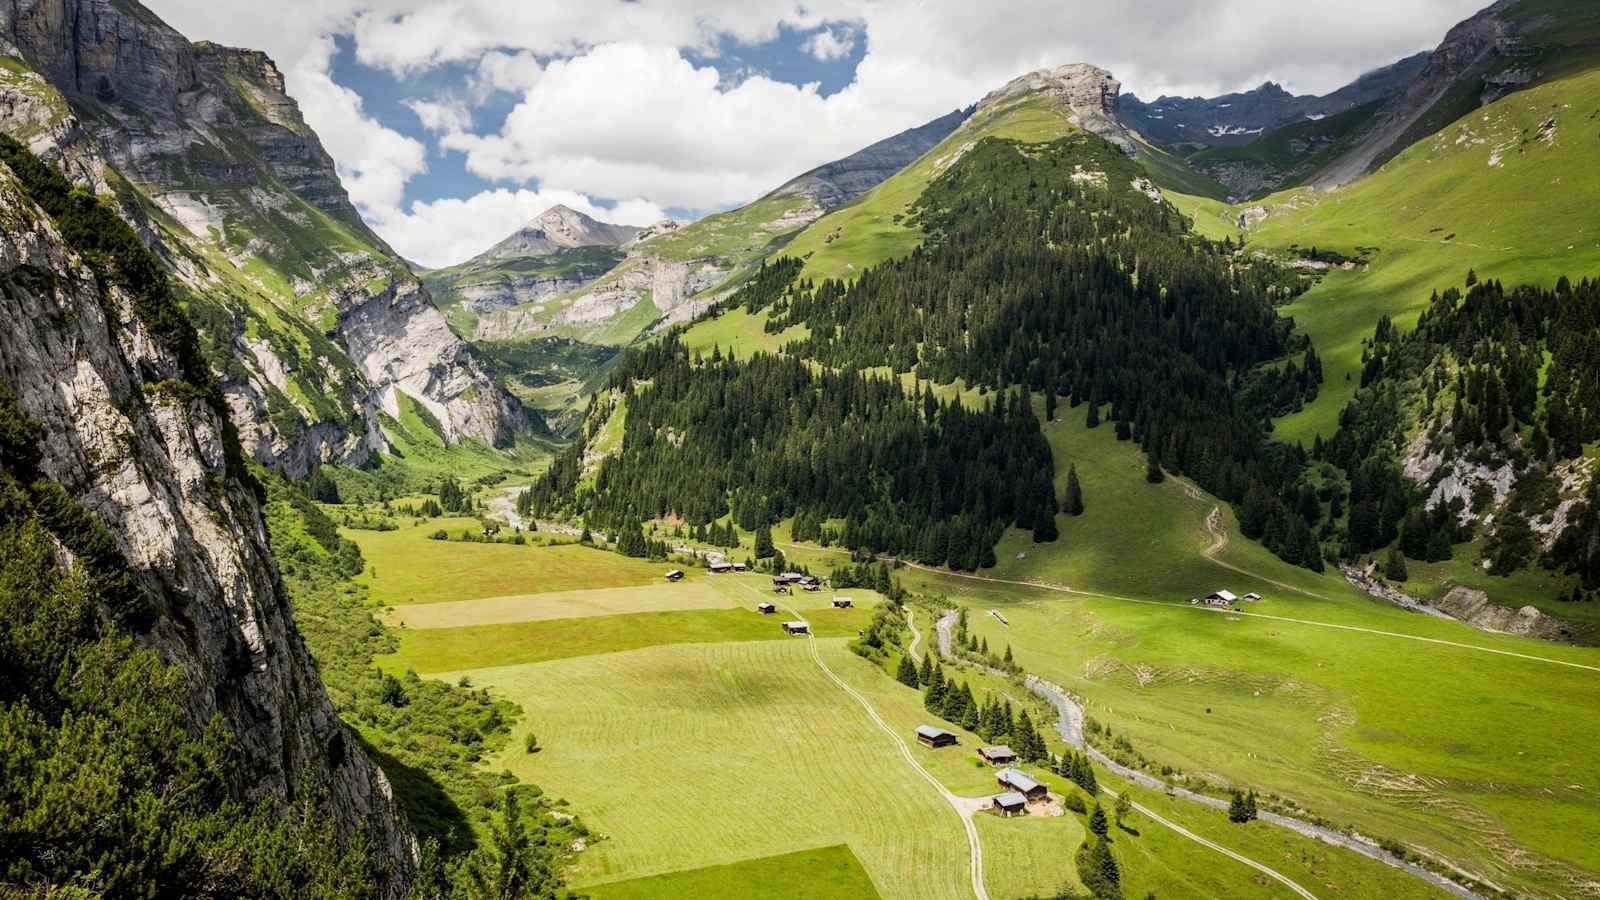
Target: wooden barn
point(720, 568)
point(675, 575)
point(1010, 804)
point(797, 627)
point(935, 737)
point(1220, 598)
point(841, 603)
point(766, 609)
point(998, 756)
point(1023, 783)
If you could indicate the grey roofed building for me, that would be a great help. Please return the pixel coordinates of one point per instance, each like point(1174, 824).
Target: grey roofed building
point(996, 755)
point(1224, 596)
point(935, 737)
point(1011, 802)
point(1020, 781)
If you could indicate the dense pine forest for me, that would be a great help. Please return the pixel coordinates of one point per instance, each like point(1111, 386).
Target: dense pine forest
point(1053, 271)
point(1460, 398)
point(774, 437)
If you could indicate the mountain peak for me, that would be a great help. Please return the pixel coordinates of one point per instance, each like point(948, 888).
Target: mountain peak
point(560, 228)
point(1089, 92)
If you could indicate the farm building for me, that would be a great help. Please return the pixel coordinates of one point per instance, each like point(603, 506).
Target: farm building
point(740, 567)
point(718, 568)
point(812, 586)
point(1251, 597)
point(935, 737)
point(1009, 804)
point(797, 627)
point(675, 575)
point(997, 756)
point(1220, 598)
point(788, 578)
point(841, 603)
point(1023, 783)
point(766, 609)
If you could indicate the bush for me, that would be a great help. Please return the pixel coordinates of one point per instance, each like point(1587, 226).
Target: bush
point(531, 743)
point(1075, 803)
point(440, 535)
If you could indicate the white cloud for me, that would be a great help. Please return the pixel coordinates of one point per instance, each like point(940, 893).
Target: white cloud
point(374, 162)
point(499, 71)
point(445, 232)
point(447, 116)
point(831, 44)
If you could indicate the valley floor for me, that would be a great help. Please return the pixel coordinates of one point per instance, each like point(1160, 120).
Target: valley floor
point(708, 749)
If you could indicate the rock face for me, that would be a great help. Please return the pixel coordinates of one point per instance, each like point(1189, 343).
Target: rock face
point(147, 457)
point(1477, 49)
point(1238, 119)
point(839, 182)
point(214, 165)
point(1091, 93)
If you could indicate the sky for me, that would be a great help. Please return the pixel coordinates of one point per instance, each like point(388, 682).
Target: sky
point(453, 122)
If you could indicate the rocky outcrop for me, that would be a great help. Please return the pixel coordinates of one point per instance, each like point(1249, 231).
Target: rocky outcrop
point(839, 182)
point(123, 433)
point(1467, 605)
point(1241, 118)
point(1091, 94)
point(215, 167)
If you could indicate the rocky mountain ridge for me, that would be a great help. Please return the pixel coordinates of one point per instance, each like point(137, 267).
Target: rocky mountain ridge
point(1090, 94)
point(311, 319)
point(1240, 118)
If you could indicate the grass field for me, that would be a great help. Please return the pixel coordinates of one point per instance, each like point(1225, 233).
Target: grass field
point(1480, 757)
point(406, 566)
point(686, 756)
point(702, 592)
point(429, 650)
point(822, 874)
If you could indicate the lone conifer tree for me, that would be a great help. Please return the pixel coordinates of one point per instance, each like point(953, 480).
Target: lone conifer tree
point(1097, 821)
point(1072, 505)
point(1152, 470)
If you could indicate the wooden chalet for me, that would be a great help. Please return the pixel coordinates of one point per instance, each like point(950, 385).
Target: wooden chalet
point(1023, 783)
point(1220, 598)
point(841, 603)
point(935, 737)
point(797, 627)
point(1010, 803)
point(766, 609)
point(719, 568)
point(998, 756)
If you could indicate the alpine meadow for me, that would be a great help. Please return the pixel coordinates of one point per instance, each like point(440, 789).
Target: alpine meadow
point(443, 458)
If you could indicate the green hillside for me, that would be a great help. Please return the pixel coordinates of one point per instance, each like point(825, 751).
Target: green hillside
point(1509, 191)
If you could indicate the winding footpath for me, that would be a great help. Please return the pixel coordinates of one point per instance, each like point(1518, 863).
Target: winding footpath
point(1069, 724)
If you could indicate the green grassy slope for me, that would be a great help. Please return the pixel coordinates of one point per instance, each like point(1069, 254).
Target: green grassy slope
point(1496, 192)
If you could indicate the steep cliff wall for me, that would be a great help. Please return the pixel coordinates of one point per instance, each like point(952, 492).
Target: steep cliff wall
point(133, 430)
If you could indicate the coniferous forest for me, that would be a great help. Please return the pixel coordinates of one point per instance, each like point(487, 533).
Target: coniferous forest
point(1470, 375)
point(1037, 280)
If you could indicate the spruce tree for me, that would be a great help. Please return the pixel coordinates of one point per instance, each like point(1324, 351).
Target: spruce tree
point(1072, 505)
point(925, 674)
point(1097, 821)
point(1152, 470)
point(764, 547)
point(907, 674)
point(1394, 567)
